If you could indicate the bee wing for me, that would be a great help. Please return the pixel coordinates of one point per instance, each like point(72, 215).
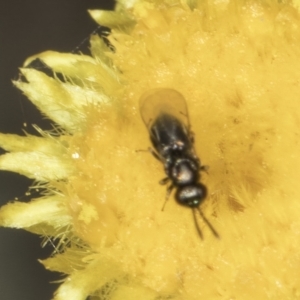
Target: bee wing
point(163, 101)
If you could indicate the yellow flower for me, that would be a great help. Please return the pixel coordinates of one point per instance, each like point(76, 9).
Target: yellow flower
point(237, 65)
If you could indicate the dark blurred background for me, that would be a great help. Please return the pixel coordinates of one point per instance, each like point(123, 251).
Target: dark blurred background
point(26, 28)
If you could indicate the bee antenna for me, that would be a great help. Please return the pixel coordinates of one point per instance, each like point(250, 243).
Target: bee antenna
point(197, 225)
point(215, 233)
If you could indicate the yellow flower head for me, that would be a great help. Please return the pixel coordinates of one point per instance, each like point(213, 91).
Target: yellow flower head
point(236, 63)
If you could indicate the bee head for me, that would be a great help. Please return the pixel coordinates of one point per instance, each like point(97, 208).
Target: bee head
point(191, 195)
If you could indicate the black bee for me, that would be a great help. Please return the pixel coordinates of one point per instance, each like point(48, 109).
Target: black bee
point(165, 114)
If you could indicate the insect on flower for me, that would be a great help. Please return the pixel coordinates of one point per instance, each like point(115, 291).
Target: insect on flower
point(164, 112)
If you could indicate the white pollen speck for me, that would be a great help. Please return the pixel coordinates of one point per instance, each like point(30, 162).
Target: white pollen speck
point(75, 155)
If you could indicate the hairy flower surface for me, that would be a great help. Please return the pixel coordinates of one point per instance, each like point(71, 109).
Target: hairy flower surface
point(237, 65)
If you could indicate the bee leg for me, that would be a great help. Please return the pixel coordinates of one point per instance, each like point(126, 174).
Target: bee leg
point(151, 151)
point(154, 153)
point(164, 181)
point(169, 190)
point(204, 168)
point(192, 136)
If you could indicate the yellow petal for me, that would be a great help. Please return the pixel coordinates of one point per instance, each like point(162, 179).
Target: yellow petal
point(36, 165)
point(85, 282)
point(112, 19)
point(50, 211)
point(60, 61)
point(30, 143)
